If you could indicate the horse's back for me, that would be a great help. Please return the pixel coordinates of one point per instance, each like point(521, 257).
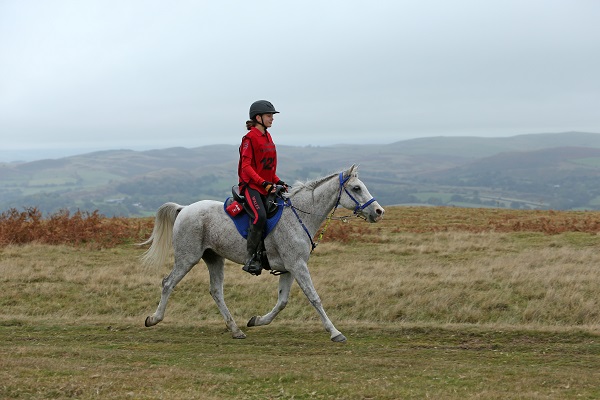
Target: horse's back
point(205, 225)
point(203, 211)
point(201, 217)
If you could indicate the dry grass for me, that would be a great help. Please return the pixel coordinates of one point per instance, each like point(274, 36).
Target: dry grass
point(425, 278)
point(91, 230)
point(467, 278)
point(376, 273)
point(431, 310)
point(477, 220)
point(94, 230)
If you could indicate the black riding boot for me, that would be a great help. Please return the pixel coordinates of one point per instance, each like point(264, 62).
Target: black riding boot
point(253, 265)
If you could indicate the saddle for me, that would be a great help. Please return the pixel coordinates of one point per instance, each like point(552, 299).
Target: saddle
point(270, 204)
point(237, 209)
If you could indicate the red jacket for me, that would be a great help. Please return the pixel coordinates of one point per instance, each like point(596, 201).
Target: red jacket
point(258, 160)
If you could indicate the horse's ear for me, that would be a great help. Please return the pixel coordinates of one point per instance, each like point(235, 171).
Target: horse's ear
point(353, 170)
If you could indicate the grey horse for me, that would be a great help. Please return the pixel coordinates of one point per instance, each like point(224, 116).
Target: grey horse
point(203, 230)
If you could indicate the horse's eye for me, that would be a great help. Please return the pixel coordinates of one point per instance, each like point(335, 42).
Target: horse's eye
point(356, 188)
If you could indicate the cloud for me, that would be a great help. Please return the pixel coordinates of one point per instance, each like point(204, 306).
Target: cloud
point(146, 73)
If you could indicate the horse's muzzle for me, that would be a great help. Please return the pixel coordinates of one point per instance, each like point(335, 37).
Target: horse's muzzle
point(376, 215)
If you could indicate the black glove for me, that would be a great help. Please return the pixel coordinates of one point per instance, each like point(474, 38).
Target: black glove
point(268, 186)
point(282, 183)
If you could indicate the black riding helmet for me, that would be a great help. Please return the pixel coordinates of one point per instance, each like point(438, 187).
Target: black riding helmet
point(261, 107)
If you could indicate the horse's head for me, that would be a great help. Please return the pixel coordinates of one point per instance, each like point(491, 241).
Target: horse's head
point(355, 196)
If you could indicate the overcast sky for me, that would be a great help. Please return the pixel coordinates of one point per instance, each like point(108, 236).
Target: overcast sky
point(142, 74)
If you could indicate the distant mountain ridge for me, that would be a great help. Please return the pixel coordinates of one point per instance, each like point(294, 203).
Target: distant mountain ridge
point(557, 170)
point(464, 145)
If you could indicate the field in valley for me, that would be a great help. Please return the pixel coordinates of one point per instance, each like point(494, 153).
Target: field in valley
point(436, 303)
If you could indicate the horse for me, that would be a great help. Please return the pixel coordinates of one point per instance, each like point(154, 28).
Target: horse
point(203, 230)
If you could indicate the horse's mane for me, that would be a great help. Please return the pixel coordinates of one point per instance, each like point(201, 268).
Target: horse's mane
point(309, 185)
point(312, 185)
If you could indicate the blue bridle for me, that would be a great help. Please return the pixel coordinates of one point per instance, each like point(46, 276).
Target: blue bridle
point(359, 207)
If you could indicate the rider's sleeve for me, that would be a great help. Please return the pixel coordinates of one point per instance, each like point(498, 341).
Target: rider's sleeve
point(246, 155)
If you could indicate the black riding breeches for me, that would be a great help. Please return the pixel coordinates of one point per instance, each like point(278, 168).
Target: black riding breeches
point(256, 201)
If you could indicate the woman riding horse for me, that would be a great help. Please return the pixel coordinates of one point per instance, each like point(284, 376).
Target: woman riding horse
point(257, 172)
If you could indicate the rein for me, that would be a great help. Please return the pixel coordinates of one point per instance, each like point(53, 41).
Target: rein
point(359, 207)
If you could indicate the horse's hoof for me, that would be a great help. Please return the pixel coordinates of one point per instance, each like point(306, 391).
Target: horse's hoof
point(339, 338)
point(239, 335)
point(147, 323)
point(252, 321)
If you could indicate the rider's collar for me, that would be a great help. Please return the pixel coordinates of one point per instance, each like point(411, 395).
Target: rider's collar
point(258, 131)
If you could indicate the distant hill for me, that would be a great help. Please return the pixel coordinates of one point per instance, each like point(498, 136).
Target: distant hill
point(546, 163)
point(560, 171)
point(477, 147)
point(560, 177)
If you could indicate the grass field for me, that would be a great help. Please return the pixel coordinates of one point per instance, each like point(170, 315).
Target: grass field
point(435, 302)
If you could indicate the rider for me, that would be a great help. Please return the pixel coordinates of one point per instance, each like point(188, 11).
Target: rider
point(257, 175)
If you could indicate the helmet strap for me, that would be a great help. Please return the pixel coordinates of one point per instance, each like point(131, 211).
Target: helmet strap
point(260, 123)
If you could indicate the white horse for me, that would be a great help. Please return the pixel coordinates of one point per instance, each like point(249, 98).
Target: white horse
point(203, 230)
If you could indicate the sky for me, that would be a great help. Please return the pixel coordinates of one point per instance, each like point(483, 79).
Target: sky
point(78, 76)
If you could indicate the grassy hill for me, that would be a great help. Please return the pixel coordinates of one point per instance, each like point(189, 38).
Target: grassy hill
point(565, 177)
point(519, 171)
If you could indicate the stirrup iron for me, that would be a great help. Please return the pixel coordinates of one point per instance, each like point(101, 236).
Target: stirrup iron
point(253, 265)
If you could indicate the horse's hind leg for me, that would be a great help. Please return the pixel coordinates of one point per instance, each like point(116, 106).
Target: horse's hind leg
point(285, 283)
point(180, 269)
point(216, 267)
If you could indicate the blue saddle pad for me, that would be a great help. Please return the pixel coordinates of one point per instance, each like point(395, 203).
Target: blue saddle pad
point(242, 220)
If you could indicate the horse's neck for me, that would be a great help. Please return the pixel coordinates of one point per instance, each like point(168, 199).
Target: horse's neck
point(319, 202)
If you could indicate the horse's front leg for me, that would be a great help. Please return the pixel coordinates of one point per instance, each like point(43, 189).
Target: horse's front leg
point(285, 283)
point(304, 280)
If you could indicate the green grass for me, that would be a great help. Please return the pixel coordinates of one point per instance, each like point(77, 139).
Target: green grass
point(183, 361)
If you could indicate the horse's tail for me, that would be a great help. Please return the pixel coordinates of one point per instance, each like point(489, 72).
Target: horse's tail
point(162, 235)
